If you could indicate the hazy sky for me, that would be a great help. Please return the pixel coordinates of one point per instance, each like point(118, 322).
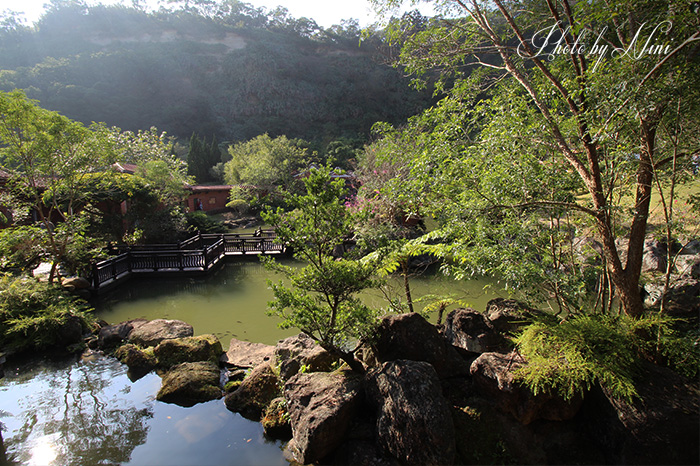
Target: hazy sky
point(324, 12)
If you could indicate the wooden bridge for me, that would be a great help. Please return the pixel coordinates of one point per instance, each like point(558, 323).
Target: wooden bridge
point(197, 255)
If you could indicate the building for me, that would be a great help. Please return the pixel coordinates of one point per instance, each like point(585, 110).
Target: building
point(207, 198)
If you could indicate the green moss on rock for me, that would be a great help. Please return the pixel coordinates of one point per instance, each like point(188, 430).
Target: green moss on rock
point(189, 349)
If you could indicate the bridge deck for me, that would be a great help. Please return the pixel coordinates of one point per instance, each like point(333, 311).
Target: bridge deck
point(197, 255)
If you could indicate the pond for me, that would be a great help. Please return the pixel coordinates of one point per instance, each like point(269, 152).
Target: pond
point(87, 411)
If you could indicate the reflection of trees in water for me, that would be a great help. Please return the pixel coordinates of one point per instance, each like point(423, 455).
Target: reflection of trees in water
point(85, 414)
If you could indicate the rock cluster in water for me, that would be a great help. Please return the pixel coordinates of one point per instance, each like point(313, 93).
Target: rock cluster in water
point(431, 395)
point(188, 365)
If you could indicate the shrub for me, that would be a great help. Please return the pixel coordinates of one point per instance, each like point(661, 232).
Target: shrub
point(569, 356)
point(199, 221)
point(32, 313)
point(239, 206)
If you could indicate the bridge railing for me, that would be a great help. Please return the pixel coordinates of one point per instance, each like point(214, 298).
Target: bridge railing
point(197, 254)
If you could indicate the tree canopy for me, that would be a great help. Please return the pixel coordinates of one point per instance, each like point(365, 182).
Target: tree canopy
point(539, 137)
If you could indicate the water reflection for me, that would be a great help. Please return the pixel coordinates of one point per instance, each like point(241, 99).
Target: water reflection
point(68, 412)
point(83, 412)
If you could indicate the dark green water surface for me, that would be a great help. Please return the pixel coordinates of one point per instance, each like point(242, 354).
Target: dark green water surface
point(86, 411)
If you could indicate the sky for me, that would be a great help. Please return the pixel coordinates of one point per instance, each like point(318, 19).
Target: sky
point(324, 12)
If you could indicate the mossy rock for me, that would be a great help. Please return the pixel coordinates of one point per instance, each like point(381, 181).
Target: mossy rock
point(188, 349)
point(190, 383)
point(275, 420)
point(232, 386)
point(255, 393)
point(140, 361)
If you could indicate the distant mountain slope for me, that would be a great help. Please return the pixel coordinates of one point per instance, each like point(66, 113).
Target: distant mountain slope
point(233, 75)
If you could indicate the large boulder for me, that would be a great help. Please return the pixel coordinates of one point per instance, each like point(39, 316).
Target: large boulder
point(110, 336)
point(682, 297)
point(471, 331)
point(410, 336)
point(301, 350)
point(688, 266)
point(246, 354)
point(255, 393)
point(414, 422)
point(70, 331)
point(493, 376)
point(321, 407)
point(189, 349)
point(507, 316)
point(190, 383)
point(662, 426)
point(655, 256)
point(153, 332)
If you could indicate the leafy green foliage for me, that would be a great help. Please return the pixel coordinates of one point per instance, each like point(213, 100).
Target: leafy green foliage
point(21, 248)
point(32, 312)
point(47, 157)
point(532, 150)
point(677, 341)
point(569, 356)
point(262, 166)
point(200, 221)
point(322, 300)
point(202, 157)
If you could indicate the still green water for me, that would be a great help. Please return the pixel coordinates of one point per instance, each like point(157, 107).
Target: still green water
point(87, 411)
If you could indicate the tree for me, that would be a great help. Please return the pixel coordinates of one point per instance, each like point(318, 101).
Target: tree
point(322, 301)
point(47, 157)
point(202, 157)
point(263, 165)
point(548, 104)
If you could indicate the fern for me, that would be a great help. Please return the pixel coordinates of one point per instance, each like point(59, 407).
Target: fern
point(569, 357)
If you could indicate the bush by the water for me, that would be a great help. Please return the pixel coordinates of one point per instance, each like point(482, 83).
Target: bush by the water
point(199, 221)
point(36, 315)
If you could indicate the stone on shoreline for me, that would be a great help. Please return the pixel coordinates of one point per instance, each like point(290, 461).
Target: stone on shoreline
point(246, 354)
point(189, 349)
point(493, 375)
point(140, 362)
point(150, 333)
point(255, 393)
point(321, 408)
point(190, 383)
point(411, 337)
point(471, 331)
point(414, 421)
point(292, 353)
point(110, 336)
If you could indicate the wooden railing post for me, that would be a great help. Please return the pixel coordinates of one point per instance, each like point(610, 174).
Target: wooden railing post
point(95, 277)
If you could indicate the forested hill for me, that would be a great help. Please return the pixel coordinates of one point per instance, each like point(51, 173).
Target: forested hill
point(235, 71)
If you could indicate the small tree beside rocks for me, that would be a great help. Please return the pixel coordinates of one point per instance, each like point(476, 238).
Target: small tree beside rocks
point(322, 301)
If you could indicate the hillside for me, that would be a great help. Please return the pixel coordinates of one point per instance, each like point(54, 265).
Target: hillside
point(235, 74)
